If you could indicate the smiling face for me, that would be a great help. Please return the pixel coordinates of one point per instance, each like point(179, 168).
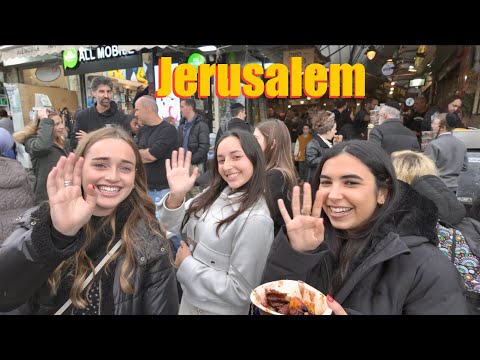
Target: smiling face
point(111, 172)
point(59, 127)
point(233, 165)
point(349, 190)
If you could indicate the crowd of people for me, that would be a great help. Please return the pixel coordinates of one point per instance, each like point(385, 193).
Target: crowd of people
point(115, 220)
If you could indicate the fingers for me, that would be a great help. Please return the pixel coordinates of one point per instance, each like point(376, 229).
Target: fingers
point(194, 173)
point(91, 196)
point(335, 306)
point(51, 183)
point(188, 159)
point(77, 171)
point(174, 159)
point(167, 166)
point(60, 177)
point(296, 201)
point(318, 205)
point(307, 199)
point(181, 157)
point(284, 212)
point(319, 229)
point(69, 165)
point(42, 113)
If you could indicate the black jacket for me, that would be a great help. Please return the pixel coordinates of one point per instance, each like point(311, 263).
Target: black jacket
point(231, 124)
point(404, 273)
point(198, 139)
point(450, 209)
point(28, 257)
point(90, 119)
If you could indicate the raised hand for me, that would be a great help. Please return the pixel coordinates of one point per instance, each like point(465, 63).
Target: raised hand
point(80, 135)
point(305, 231)
point(43, 113)
point(68, 209)
point(178, 175)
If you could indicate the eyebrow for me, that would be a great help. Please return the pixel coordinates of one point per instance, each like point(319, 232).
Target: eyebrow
point(349, 176)
point(231, 152)
point(108, 159)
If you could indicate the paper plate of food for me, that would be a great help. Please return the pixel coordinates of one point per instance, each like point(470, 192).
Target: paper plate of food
point(289, 297)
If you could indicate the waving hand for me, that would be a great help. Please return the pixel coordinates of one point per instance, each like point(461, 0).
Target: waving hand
point(305, 230)
point(68, 209)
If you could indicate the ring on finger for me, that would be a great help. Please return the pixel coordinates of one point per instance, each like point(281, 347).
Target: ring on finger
point(305, 212)
point(68, 183)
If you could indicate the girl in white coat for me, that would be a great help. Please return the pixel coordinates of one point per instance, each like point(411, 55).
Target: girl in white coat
point(228, 227)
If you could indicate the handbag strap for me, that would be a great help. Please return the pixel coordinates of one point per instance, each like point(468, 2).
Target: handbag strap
point(87, 281)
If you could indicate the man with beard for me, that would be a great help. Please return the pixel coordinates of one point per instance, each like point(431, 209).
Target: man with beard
point(103, 113)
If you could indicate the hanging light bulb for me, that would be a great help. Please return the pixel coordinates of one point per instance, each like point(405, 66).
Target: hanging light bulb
point(371, 52)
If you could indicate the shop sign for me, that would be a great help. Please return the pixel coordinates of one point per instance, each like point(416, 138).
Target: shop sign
point(71, 56)
point(103, 58)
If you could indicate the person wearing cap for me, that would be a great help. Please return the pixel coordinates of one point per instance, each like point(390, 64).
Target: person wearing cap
point(237, 121)
point(390, 134)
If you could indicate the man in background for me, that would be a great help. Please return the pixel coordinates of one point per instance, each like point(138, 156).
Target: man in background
point(237, 121)
point(103, 113)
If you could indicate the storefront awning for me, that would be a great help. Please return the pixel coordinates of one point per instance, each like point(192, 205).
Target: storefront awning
point(19, 51)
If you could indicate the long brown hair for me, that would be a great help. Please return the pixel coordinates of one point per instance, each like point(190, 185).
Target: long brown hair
point(278, 150)
point(253, 190)
point(141, 208)
point(32, 129)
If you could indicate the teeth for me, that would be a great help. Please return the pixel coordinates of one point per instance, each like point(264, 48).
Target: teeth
point(232, 175)
point(109, 189)
point(339, 210)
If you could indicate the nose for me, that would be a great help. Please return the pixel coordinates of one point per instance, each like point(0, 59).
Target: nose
point(335, 192)
point(227, 164)
point(111, 174)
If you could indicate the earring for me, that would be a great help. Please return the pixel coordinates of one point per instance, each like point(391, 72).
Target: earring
point(133, 187)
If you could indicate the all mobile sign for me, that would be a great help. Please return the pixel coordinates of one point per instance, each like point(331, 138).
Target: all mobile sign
point(102, 58)
point(72, 57)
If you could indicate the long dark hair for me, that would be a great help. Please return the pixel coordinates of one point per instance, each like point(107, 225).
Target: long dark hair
point(253, 190)
point(349, 247)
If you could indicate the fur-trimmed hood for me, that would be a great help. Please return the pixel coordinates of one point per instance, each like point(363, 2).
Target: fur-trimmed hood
point(450, 209)
point(416, 216)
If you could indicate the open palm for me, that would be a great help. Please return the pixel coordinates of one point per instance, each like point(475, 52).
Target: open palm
point(305, 231)
point(68, 209)
point(178, 173)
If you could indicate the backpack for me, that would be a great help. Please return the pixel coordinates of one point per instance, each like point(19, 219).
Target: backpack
point(453, 244)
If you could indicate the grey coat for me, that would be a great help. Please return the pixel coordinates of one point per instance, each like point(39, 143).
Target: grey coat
point(44, 154)
point(222, 271)
point(393, 136)
point(450, 157)
point(16, 194)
